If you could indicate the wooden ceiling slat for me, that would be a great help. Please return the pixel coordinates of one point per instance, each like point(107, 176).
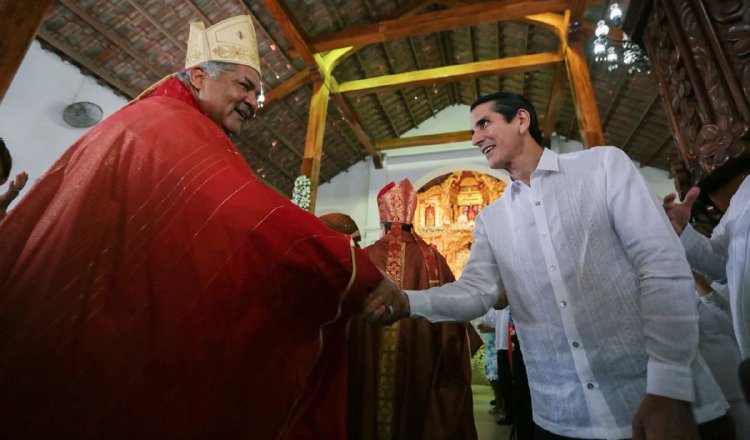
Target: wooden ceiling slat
point(348, 113)
point(207, 21)
point(640, 121)
point(615, 98)
point(154, 21)
point(419, 66)
point(454, 18)
point(554, 102)
point(88, 64)
point(657, 152)
point(114, 38)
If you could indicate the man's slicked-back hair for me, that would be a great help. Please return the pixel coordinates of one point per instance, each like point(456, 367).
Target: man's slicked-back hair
point(508, 104)
point(5, 160)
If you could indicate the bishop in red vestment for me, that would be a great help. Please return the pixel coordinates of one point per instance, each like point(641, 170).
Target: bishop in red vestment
point(412, 379)
point(152, 287)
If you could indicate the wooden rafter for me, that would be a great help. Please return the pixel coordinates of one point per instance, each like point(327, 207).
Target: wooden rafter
point(584, 98)
point(615, 97)
point(556, 97)
point(199, 12)
point(668, 140)
point(19, 22)
point(454, 18)
point(314, 139)
point(419, 67)
point(288, 87)
point(86, 63)
point(505, 66)
point(114, 38)
point(430, 139)
point(640, 121)
point(154, 21)
point(321, 69)
point(348, 113)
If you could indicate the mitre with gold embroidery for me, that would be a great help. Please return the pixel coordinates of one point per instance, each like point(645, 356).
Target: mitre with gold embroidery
point(397, 202)
point(229, 41)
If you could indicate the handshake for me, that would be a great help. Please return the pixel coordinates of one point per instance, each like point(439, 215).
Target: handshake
point(386, 304)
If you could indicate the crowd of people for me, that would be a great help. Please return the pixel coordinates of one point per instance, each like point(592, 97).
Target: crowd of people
point(152, 287)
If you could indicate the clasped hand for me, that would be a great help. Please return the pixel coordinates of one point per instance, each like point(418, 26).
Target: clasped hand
point(386, 304)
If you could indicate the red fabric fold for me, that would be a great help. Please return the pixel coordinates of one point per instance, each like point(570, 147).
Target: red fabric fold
point(152, 287)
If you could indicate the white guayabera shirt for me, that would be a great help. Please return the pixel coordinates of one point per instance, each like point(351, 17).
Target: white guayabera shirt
point(727, 256)
point(601, 293)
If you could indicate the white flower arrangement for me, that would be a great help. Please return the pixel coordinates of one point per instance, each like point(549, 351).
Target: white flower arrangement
point(301, 192)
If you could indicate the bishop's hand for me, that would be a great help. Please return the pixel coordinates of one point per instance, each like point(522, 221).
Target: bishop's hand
point(386, 303)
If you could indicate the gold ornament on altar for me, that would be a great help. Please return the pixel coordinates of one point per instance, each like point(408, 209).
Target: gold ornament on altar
point(446, 212)
point(230, 41)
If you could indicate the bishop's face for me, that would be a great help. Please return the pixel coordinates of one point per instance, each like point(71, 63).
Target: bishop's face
point(230, 98)
point(500, 141)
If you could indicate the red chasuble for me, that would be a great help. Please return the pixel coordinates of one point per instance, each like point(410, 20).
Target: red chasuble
point(410, 380)
point(152, 287)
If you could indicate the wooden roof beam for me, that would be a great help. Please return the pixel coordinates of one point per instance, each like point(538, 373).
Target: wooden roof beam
point(288, 87)
point(19, 22)
point(459, 17)
point(640, 121)
point(348, 113)
point(154, 21)
point(667, 141)
point(584, 98)
point(292, 30)
point(429, 139)
point(114, 38)
point(556, 97)
point(505, 66)
point(77, 56)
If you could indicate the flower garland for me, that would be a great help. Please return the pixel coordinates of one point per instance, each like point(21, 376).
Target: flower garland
point(301, 192)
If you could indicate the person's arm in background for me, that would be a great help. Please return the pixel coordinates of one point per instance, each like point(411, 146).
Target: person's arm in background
point(708, 257)
point(14, 188)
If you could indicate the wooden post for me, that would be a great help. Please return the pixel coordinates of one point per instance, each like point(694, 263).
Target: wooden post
point(584, 97)
point(19, 21)
point(316, 125)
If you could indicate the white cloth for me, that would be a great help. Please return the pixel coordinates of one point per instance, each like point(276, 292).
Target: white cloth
point(717, 345)
point(601, 294)
point(499, 319)
point(727, 256)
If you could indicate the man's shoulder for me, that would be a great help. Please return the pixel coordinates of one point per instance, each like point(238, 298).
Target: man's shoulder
point(590, 157)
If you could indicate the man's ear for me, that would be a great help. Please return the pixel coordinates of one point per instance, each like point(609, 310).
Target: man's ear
point(524, 120)
point(197, 77)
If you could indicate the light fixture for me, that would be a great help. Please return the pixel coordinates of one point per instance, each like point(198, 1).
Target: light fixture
point(615, 14)
point(611, 51)
point(261, 97)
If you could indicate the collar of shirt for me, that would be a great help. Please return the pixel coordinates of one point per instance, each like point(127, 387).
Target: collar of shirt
point(548, 162)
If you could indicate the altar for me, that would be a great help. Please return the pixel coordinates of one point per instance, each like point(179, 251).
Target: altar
point(447, 208)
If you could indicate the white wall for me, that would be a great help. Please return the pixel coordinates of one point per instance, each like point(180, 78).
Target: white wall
point(31, 113)
point(355, 191)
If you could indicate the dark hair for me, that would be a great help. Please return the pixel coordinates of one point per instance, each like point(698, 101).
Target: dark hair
point(508, 104)
point(5, 161)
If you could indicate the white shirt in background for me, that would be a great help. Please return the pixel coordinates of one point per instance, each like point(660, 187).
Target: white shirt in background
point(726, 256)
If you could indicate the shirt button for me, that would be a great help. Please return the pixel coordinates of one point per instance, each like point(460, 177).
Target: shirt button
point(553, 268)
point(590, 386)
point(576, 344)
point(563, 304)
point(537, 203)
